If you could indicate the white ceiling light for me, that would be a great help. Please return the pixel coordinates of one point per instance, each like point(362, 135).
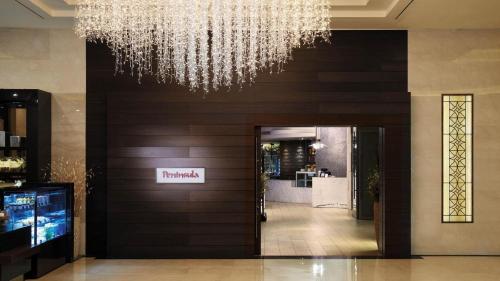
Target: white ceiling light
point(203, 43)
point(318, 144)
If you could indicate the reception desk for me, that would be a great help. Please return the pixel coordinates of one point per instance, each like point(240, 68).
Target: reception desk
point(330, 192)
point(285, 191)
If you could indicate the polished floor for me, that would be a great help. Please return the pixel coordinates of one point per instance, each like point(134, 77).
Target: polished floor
point(301, 230)
point(426, 269)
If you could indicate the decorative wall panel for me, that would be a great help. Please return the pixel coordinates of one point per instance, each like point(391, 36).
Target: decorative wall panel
point(457, 158)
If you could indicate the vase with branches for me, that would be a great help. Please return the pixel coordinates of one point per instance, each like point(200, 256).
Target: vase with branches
point(73, 171)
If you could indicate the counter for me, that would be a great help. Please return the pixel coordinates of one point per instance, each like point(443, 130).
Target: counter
point(330, 192)
point(285, 191)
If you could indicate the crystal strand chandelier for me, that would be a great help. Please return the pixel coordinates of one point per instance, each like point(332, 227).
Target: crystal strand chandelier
point(203, 44)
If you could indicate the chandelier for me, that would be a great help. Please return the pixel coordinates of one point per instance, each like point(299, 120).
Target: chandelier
point(203, 44)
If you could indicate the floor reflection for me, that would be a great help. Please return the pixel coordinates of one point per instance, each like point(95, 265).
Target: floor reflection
point(301, 230)
point(426, 269)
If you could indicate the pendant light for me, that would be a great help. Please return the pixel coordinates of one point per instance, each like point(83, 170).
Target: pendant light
point(318, 144)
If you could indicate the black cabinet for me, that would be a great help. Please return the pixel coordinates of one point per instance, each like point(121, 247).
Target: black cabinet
point(25, 135)
point(15, 252)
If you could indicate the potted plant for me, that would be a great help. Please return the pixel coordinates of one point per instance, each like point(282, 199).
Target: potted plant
point(374, 190)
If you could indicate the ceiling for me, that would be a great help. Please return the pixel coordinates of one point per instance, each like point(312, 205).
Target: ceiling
point(346, 14)
point(287, 133)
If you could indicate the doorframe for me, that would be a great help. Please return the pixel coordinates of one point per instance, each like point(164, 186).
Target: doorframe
point(400, 248)
point(258, 188)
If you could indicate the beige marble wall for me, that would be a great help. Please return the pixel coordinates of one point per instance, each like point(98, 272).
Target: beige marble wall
point(52, 60)
point(454, 62)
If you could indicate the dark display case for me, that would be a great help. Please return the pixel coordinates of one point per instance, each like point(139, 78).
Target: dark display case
point(48, 210)
point(25, 135)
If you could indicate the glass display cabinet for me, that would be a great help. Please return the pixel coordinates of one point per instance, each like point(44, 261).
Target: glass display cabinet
point(45, 211)
point(25, 135)
point(20, 207)
point(46, 208)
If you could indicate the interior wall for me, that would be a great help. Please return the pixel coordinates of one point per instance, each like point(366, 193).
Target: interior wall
point(334, 155)
point(53, 60)
point(454, 62)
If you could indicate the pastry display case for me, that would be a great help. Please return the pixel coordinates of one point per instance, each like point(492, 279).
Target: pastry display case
point(47, 209)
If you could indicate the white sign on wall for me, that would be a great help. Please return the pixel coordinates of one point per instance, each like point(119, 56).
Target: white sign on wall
point(180, 175)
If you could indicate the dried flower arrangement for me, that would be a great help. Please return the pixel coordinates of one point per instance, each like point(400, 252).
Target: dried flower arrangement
point(72, 170)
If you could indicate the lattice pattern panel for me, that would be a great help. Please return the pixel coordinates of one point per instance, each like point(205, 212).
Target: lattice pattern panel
point(457, 158)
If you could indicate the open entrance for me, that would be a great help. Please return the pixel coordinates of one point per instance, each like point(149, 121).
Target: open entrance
point(318, 191)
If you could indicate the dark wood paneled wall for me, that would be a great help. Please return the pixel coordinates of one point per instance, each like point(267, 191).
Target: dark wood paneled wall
point(293, 157)
point(96, 151)
point(134, 128)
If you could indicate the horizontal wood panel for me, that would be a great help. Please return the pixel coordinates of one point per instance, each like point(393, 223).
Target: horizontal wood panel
point(187, 130)
point(179, 119)
point(342, 107)
point(182, 141)
point(223, 251)
point(209, 163)
point(263, 94)
point(227, 196)
point(221, 152)
point(179, 207)
point(143, 228)
point(181, 196)
point(179, 239)
point(148, 130)
point(187, 218)
point(155, 152)
point(210, 184)
point(150, 174)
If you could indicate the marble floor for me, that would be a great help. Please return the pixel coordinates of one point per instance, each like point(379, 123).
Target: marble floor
point(425, 269)
point(301, 230)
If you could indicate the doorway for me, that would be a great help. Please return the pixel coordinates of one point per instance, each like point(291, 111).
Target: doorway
point(318, 191)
